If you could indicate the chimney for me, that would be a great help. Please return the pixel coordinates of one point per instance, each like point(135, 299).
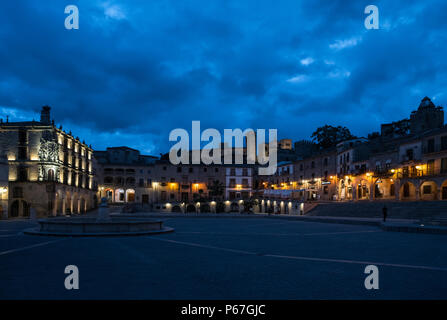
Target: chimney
point(45, 115)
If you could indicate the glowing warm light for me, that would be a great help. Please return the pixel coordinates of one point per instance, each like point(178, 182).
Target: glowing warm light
point(238, 186)
point(418, 167)
point(331, 177)
point(392, 170)
point(173, 185)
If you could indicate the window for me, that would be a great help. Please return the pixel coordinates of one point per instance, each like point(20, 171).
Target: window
point(108, 180)
point(301, 167)
point(118, 180)
point(325, 162)
point(410, 154)
point(205, 169)
point(431, 167)
point(191, 170)
point(17, 192)
point(431, 145)
point(50, 175)
point(179, 169)
point(22, 174)
point(444, 165)
point(312, 165)
point(444, 143)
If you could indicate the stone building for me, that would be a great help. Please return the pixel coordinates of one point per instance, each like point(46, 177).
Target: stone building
point(186, 183)
point(422, 172)
point(238, 182)
point(407, 161)
point(124, 175)
point(4, 187)
point(49, 170)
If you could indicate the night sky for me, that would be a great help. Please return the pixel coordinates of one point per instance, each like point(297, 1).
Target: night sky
point(135, 70)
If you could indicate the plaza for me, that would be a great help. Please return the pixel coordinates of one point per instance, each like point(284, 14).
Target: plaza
point(226, 258)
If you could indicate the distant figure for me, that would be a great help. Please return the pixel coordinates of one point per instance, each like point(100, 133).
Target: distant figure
point(384, 212)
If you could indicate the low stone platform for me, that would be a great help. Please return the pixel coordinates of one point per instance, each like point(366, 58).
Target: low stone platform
point(85, 227)
point(393, 225)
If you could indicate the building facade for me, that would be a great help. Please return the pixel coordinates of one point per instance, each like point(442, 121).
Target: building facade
point(49, 170)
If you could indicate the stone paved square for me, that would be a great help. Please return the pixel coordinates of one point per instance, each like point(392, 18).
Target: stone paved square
point(226, 258)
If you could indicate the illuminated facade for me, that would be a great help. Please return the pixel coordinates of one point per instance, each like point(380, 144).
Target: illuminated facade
point(124, 175)
point(407, 161)
point(49, 170)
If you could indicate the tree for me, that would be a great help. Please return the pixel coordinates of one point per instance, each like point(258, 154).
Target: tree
point(216, 189)
point(328, 136)
point(249, 204)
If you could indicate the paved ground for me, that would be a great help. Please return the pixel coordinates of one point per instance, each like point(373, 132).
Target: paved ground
point(225, 258)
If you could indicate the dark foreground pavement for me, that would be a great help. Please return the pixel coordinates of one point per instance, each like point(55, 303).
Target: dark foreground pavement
point(215, 258)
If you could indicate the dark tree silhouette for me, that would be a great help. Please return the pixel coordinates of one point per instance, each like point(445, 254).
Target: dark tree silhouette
point(328, 136)
point(216, 189)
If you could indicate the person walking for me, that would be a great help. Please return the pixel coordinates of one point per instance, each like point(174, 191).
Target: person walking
point(384, 212)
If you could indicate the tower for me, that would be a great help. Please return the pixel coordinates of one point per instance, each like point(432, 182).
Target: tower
point(426, 117)
point(45, 115)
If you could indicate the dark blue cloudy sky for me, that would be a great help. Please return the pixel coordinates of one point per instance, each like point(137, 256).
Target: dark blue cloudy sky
point(137, 69)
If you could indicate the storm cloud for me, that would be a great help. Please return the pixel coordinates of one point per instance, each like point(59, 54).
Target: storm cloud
point(135, 70)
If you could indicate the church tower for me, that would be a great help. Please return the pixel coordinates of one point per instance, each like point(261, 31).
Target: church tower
point(426, 117)
point(45, 115)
